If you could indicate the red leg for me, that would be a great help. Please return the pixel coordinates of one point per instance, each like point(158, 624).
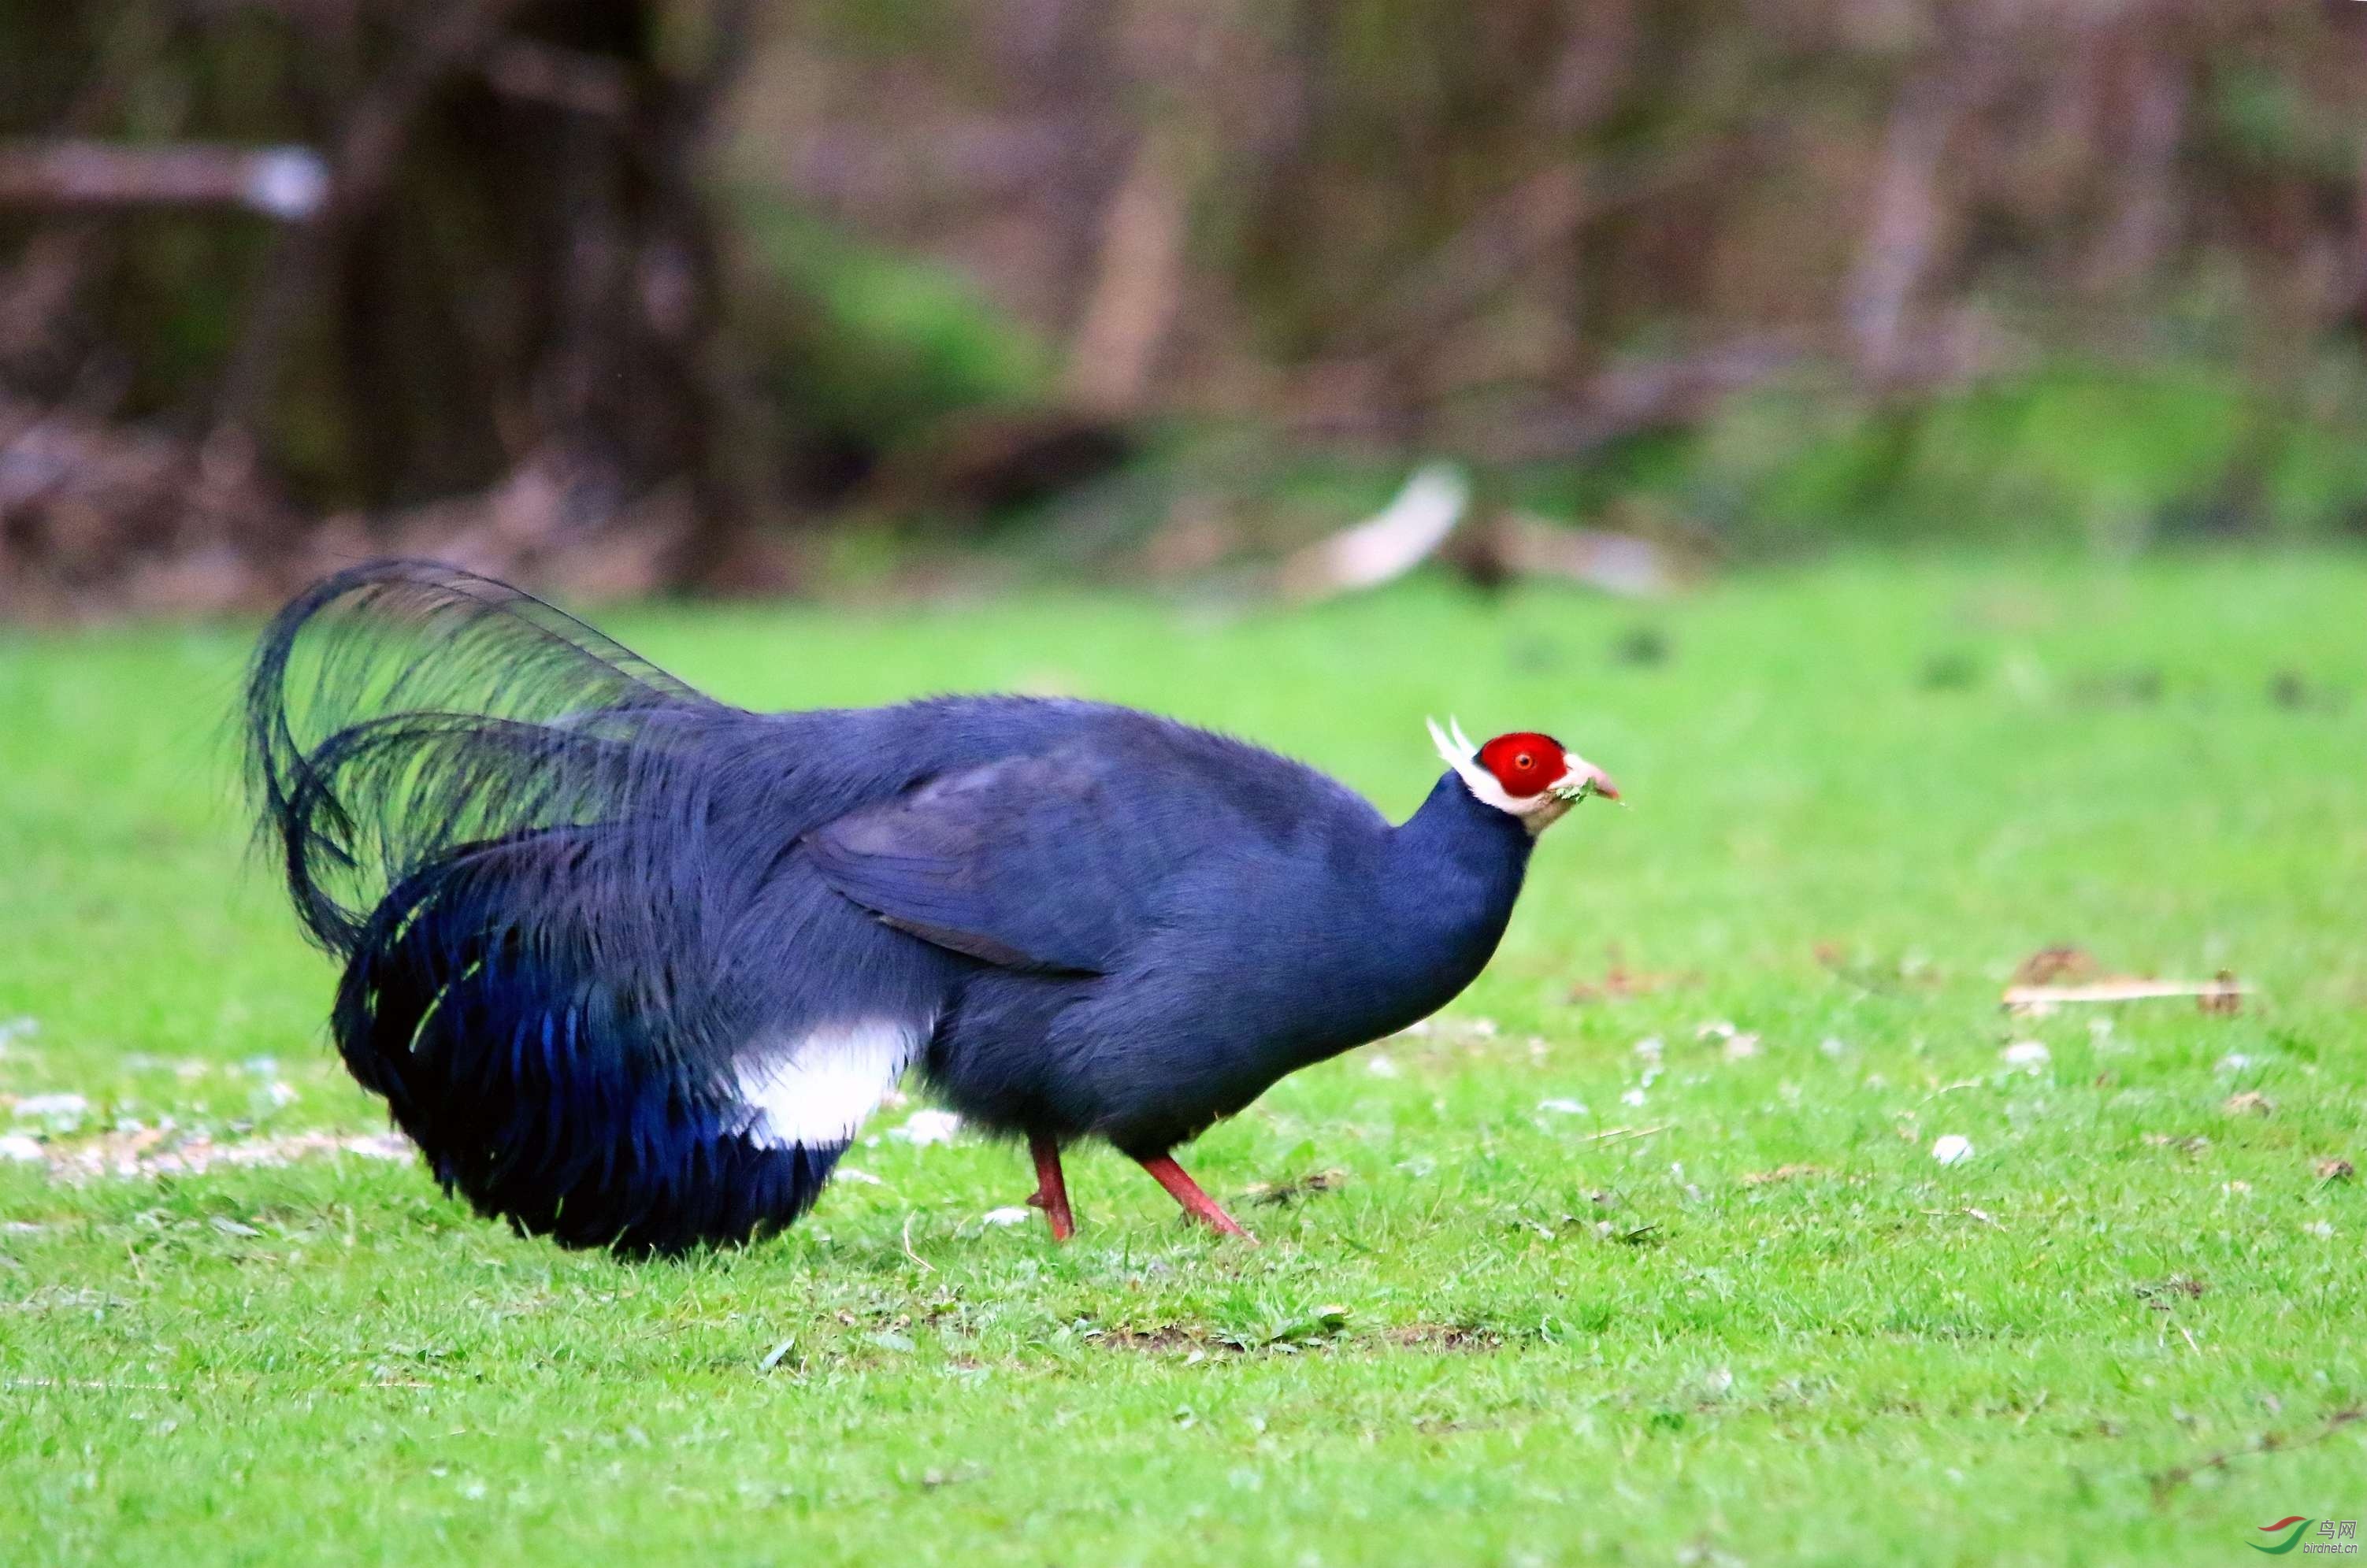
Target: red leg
point(1051, 1191)
point(1186, 1191)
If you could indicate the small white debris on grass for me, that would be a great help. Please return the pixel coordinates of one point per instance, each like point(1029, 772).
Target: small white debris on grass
point(1633, 1096)
point(1649, 1048)
point(1739, 1046)
point(1008, 1214)
point(280, 1092)
point(1380, 1066)
point(1952, 1148)
point(2233, 1062)
point(15, 1028)
point(925, 1127)
point(2319, 1228)
point(1562, 1107)
point(861, 1178)
point(2029, 1054)
point(16, 1146)
point(64, 1106)
point(1717, 1029)
point(151, 1152)
point(1833, 1047)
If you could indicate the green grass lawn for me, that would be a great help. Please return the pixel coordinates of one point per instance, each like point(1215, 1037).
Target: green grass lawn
point(1561, 1295)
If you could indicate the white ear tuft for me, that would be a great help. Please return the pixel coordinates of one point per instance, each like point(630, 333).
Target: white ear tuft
point(1446, 752)
point(1456, 748)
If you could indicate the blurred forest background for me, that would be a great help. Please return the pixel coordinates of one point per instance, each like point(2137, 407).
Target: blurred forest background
point(623, 295)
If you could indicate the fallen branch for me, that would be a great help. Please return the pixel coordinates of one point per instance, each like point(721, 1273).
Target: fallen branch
point(2220, 994)
point(1612, 1135)
point(1948, 349)
point(1518, 544)
point(1385, 546)
point(1533, 222)
point(83, 175)
point(561, 78)
point(2170, 1479)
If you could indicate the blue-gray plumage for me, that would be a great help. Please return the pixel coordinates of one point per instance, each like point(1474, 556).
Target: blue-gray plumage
point(631, 965)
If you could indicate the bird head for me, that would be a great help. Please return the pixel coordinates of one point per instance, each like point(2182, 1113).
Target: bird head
point(1532, 776)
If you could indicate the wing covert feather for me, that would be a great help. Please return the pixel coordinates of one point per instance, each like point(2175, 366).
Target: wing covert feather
point(1030, 863)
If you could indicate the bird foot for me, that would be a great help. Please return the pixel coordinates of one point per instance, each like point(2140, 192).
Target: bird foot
point(1197, 1203)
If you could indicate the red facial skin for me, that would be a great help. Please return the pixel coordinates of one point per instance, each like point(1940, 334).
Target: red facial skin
point(1525, 763)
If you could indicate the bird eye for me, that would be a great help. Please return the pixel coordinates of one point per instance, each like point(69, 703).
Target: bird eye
point(1525, 761)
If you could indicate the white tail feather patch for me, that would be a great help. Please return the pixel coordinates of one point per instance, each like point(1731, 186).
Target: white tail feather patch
point(818, 1089)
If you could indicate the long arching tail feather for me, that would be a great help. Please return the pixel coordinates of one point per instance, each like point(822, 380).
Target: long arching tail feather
point(503, 822)
point(401, 708)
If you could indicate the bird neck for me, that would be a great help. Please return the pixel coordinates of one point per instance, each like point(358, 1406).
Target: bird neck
point(1457, 825)
point(1458, 863)
point(1422, 922)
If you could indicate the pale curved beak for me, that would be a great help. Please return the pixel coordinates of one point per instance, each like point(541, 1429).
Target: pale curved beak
point(1583, 780)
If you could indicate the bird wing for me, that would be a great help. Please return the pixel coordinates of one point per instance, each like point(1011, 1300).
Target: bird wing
point(1041, 862)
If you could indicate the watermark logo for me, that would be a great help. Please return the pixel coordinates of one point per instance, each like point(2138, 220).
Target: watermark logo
point(2336, 1537)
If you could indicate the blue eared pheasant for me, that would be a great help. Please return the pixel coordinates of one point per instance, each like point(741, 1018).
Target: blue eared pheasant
point(632, 965)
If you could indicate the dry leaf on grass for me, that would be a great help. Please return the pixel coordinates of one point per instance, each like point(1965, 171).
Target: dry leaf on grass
point(1781, 1173)
point(2064, 965)
point(1297, 1187)
point(1619, 983)
point(2250, 1102)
